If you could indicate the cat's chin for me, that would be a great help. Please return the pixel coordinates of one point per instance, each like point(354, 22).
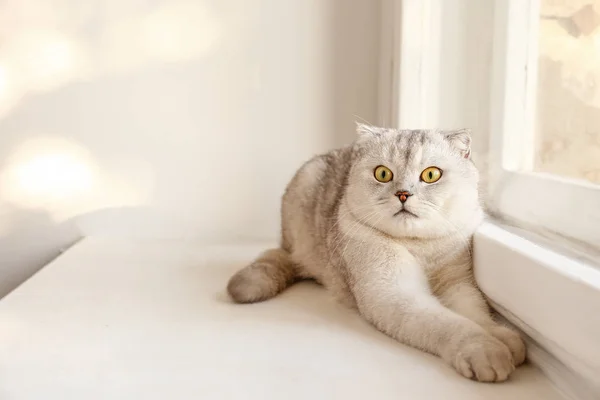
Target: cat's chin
point(408, 225)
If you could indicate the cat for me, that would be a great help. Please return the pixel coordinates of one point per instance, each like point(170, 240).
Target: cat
point(386, 225)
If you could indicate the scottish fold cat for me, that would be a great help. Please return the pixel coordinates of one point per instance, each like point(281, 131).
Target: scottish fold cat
point(385, 224)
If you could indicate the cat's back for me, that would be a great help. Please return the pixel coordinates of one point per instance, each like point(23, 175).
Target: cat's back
point(312, 197)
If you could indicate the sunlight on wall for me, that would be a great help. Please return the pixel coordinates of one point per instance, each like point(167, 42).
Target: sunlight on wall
point(53, 176)
point(46, 46)
point(3, 82)
point(44, 172)
point(6, 90)
point(40, 60)
point(61, 178)
point(40, 52)
point(55, 58)
point(179, 31)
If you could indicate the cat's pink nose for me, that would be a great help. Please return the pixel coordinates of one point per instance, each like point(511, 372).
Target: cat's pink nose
point(403, 195)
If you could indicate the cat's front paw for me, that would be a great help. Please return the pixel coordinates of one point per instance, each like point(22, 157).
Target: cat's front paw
point(482, 357)
point(512, 340)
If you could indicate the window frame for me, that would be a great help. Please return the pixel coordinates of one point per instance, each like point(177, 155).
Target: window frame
point(536, 199)
point(476, 78)
point(466, 51)
point(443, 69)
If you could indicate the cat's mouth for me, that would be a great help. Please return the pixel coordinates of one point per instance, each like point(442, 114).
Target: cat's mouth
point(404, 211)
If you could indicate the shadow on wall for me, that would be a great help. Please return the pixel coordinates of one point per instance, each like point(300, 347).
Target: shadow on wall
point(196, 141)
point(31, 240)
point(356, 49)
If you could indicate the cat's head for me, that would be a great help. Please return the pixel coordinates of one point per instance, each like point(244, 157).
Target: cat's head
point(414, 183)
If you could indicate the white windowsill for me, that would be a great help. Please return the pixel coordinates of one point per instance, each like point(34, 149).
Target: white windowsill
point(149, 319)
point(552, 297)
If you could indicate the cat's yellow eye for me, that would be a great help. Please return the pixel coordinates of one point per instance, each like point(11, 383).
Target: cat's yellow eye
point(431, 174)
point(383, 174)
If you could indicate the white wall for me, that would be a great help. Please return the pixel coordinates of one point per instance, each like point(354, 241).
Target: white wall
point(169, 117)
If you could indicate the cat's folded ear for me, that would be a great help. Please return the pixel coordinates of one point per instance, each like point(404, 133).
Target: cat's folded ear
point(460, 139)
point(368, 130)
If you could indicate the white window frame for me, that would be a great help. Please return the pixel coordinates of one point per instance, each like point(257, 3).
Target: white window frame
point(444, 51)
point(564, 206)
point(417, 81)
point(408, 81)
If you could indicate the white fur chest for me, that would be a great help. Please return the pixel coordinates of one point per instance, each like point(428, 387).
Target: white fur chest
point(433, 254)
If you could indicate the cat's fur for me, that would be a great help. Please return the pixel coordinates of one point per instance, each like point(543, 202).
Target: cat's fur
point(410, 275)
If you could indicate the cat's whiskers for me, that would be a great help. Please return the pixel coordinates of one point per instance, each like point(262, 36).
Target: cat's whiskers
point(363, 240)
point(362, 119)
point(341, 235)
point(365, 219)
point(338, 217)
